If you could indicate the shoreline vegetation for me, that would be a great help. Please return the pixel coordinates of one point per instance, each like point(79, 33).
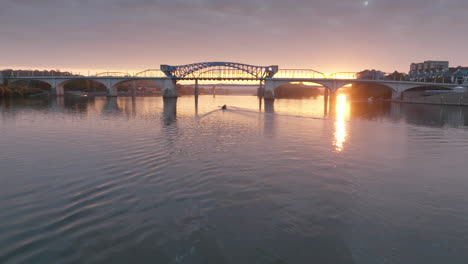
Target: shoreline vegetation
point(8, 91)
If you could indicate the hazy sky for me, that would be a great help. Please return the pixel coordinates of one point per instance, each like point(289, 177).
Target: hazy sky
point(325, 35)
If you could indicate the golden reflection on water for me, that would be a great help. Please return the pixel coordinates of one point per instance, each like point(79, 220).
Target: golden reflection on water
point(185, 107)
point(146, 106)
point(342, 115)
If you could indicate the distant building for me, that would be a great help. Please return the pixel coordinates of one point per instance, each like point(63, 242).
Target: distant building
point(429, 66)
point(370, 75)
point(458, 75)
point(429, 71)
point(438, 71)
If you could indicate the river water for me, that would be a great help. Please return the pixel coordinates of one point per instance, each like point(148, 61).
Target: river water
point(122, 180)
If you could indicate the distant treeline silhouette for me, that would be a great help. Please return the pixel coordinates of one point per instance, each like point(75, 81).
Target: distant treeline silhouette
point(27, 73)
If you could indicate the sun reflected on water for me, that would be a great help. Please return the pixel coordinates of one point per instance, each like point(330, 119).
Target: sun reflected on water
point(342, 115)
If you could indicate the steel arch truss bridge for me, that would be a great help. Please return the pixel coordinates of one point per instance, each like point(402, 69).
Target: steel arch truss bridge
point(219, 70)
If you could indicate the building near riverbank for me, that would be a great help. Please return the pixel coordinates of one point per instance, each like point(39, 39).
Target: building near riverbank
point(428, 66)
point(438, 71)
point(370, 75)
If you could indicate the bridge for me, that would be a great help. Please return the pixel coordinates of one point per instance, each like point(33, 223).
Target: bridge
point(269, 77)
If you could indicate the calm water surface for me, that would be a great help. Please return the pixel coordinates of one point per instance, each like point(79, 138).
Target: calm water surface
point(125, 180)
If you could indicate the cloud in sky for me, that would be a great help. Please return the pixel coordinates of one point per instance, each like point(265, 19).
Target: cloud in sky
point(327, 35)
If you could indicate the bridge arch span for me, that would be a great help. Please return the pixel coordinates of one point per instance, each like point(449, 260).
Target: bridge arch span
point(396, 87)
point(19, 81)
point(30, 86)
point(371, 89)
point(299, 89)
point(32, 79)
point(135, 81)
point(60, 86)
point(271, 85)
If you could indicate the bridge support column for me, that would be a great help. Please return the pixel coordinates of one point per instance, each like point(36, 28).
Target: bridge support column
point(169, 89)
point(397, 95)
point(196, 92)
point(170, 110)
point(325, 101)
point(332, 97)
point(260, 90)
point(112, 92)
point(269, 93)
point(59, 90)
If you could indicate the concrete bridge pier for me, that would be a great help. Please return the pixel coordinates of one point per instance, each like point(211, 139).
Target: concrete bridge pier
point(133, 88)
point(112, 92)
point(58, 90)
point(169, 89)
point(325, 101)
point(196, 91)
point(170, 110)
point(332, 97)
point(396, 95)
point(111, 88)
point(269, 106)
point(269, 92)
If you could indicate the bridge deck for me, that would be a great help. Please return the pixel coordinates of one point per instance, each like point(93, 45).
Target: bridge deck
point(227, 79)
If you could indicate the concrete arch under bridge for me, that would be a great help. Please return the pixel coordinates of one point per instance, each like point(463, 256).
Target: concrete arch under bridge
point(332, 85)
point(28, 81)
point(57, 84)
point(168, 85)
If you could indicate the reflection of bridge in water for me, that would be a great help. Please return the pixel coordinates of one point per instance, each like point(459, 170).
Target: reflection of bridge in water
point(268, 77)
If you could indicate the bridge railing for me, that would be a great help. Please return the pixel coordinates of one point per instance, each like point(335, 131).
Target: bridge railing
point(312, 74)
point(113, 74)
point(151, 73)
point(298, 74)
point(343, 75)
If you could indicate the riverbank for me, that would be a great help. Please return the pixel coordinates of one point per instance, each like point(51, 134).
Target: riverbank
point(456, 99)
